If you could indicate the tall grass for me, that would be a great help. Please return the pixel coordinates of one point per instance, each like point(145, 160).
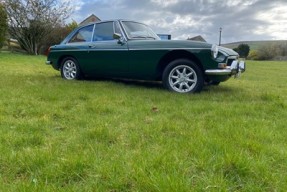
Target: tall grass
point(105, 135)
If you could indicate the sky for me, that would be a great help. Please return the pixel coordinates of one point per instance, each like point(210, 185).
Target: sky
point(240, 20)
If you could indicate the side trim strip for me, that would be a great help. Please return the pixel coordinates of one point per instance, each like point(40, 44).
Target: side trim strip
point(141, 49)
point(88, 50)
point(136, 49)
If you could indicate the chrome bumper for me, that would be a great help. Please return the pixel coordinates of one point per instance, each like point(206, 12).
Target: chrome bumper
point(48, 62)
point(236, 68)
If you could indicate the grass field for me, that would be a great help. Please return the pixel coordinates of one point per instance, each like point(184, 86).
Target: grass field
point(58, 135)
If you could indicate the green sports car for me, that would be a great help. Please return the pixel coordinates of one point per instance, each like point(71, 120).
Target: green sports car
point(129, 49)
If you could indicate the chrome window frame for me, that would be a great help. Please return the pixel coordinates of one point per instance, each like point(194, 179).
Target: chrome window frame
point(76, 32)
point(126, 34)
point(111, 21)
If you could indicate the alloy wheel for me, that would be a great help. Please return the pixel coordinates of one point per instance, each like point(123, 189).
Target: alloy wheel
point(182, 78)
point(69, 70)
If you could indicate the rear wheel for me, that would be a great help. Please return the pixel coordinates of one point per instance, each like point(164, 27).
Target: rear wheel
point(70, 69)
point(183, 76)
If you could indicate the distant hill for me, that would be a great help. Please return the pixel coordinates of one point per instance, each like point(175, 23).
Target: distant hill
point(254, 45)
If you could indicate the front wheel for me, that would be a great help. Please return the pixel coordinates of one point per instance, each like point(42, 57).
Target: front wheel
point(183, 76)
point(70, 69)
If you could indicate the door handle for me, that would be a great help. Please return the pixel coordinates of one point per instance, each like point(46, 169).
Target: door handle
point(92, 46)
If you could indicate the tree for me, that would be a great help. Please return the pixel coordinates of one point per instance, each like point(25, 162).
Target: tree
point(71, 26)
point(3, 25)
point(253, 55)
point(31, 21)
point(235, 49)
point(243, 50)
point(272, 51)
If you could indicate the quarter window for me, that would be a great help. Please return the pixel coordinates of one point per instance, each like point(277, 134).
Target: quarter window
point(104, 32)
point(117, 28)
point(83, 35)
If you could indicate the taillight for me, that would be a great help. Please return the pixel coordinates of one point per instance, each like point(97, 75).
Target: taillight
point(47, 51)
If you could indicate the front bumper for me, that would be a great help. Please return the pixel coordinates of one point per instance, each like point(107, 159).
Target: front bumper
point(236, 68)
point(48, 62)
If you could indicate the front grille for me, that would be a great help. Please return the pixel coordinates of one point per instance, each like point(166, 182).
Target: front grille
point(230, 60)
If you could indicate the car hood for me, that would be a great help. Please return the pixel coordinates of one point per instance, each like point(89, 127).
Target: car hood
point(168, 44)
point(228, 51)
point(176, 44)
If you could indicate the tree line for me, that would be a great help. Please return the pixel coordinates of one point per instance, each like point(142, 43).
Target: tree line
point(273, 51)
point(269, 51)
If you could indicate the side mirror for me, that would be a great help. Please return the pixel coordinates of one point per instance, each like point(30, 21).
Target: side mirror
point(119, 38)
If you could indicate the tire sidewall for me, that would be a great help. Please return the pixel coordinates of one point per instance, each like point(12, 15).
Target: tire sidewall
point(78, 70)
point(165, 79)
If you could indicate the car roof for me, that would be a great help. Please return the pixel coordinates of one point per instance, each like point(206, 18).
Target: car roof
point(112, 20)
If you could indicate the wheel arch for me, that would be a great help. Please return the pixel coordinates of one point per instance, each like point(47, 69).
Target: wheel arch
point(77, 74)
point(173, 55)
point(61, 59)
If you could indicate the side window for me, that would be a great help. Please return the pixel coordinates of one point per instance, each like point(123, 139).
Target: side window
point(83, 35)
point(104, 32)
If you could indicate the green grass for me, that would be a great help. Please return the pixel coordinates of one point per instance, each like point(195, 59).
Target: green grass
point(58, 135)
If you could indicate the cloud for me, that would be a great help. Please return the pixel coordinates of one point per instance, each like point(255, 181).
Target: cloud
point(240, 19)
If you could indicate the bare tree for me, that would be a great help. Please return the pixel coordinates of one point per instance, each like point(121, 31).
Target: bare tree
point(30, 21)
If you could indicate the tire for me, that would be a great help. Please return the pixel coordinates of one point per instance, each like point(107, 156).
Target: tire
point(183, 76)
point(70, 69)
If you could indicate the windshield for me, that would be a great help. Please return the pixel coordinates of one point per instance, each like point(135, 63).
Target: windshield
point(136, 30)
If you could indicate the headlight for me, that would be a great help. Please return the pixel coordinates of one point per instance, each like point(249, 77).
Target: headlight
point(214, 51)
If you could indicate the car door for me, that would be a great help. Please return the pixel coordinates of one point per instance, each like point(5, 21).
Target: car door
point(78, 45)
point(107, 56)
